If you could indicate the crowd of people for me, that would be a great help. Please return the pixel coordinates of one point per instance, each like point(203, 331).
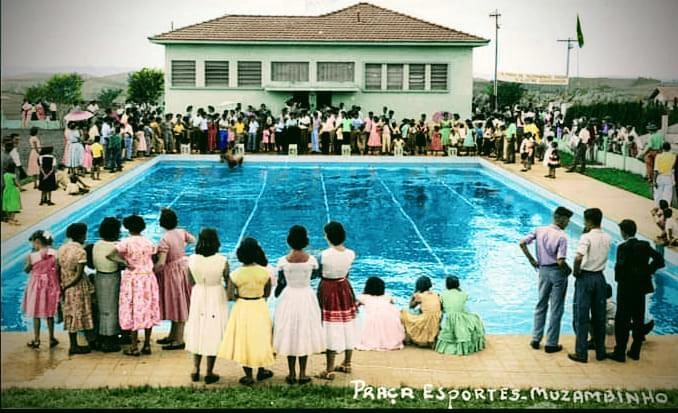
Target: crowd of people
point(636, 262)
point(42, 110)
point(114, 288)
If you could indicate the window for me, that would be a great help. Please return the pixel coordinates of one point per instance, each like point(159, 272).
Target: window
point(335, 72)
point(439, 77)
point(394, 77)
point(417, 77)
point(183, 72)
point(216, 73)
point(289, 71)
point(372, 76)
point(249, 74)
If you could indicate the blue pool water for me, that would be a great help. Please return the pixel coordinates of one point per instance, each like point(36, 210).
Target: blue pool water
point(403, 221)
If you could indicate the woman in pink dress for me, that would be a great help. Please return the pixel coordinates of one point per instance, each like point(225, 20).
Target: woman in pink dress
point(26, 110)
point(381, 328)
point(212, 130)
point(139, 301)
point(41, 297)
point(172, 272)
point(33, 168)
point(40, 110)
point(374, 143)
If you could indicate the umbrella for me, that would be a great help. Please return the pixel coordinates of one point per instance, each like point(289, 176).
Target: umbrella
point(438, 116)
point(78, 115)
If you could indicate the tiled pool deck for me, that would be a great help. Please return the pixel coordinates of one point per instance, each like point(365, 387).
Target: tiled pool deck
point(506, 361)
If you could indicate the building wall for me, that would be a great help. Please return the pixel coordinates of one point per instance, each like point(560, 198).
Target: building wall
point(457, 98)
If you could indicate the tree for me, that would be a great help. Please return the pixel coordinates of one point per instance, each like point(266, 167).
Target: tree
point(65, 88)
point(145, 86)
point(107, 96)
point(36, 93)
point(509, 93)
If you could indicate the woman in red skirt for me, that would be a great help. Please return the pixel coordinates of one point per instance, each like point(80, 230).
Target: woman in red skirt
point(337, 300)
point(212, 130)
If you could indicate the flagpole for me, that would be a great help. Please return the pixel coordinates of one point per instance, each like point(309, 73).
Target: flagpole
point(496, 55)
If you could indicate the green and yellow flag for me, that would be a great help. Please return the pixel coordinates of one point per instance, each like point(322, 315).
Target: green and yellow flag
point(580, 35)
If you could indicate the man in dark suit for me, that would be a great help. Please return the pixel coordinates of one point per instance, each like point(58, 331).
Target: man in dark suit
point(636, 262)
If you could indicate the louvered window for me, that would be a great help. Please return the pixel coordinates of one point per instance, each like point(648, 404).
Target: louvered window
point(216, 73)
point(289, 71)
point(439, 77)
point(417, 77)
point(394, 77)
point(335, 72)
point(183, 73)
point(372, 76)
point(249, 74)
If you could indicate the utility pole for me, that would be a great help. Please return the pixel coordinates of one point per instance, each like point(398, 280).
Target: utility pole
point(496, 54)
point(569, 41)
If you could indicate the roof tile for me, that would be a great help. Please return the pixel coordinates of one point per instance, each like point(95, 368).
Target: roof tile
point(360, 22)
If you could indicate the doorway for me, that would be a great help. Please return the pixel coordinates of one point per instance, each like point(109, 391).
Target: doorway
point(323, 99)
point(301, 98)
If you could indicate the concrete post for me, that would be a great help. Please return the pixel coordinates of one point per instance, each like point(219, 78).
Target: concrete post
point(665, 125)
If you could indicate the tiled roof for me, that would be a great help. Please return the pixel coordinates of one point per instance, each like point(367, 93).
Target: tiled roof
point(362, 22)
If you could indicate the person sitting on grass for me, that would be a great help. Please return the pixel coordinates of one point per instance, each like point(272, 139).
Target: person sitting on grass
point(421, 328)
point(671, 228)
point(75, 186)
point(462, 332)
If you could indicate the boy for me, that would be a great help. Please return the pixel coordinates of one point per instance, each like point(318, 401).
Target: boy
point(97, 158)
point(115, 145)
point(660, 219)
point(671, 228)
point(76, 186)
point(527, 152)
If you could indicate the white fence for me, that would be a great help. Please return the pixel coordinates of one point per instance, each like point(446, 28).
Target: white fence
point(609, 159)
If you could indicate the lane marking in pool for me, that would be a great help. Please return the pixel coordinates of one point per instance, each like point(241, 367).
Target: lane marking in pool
point(462, 197)
point(256, 205)
point(414, 225)
point(327, 205)
point(174, 201)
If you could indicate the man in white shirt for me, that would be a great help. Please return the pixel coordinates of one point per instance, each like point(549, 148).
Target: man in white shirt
point(590, 287)
point(580, 155)
point(305, 128)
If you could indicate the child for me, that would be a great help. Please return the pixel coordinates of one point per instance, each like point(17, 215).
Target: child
point(11, 196)
point(265, 139)
point(527, 152)
point(87, 158)
point(671, 228)
point(41, 297)
point(185, 144)
point(386, 137)
point(139, 294)
point(398, 144)
point(97, 158)
point(553, 160)
point(422, 329)
point(436, 141)
point(462, 333)
point(469, 143)
point(659, 218)
point(76, 186)
point(115, 145)
point(381, 327)
point(48, 175)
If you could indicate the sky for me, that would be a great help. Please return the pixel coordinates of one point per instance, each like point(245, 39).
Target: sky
point(623, 38)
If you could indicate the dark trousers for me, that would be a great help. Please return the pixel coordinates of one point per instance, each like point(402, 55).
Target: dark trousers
point(202, 141)
point(116, 159)
point(580, 157)
point(589, 305)
point(325, 143)
point(511, 152)
point(630, 316)
point(303, 140)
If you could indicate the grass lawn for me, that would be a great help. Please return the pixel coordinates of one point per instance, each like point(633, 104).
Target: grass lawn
point(628, 181)
point(316, 396)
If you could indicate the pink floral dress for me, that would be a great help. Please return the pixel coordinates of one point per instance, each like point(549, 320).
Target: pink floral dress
point(42, 292)
point(139, 305)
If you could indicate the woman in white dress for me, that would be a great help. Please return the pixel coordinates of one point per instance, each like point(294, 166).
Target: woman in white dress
point(297, 329)
point(76, 150)
point(208, 312)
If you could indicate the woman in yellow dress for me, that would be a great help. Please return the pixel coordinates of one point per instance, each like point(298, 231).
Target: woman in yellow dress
point(422, 329)
point(248, 338)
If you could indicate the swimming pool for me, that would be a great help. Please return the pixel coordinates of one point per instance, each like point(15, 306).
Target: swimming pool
point(402, 219)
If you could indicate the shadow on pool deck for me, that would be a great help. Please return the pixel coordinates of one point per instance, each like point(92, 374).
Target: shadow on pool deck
point(507, 361)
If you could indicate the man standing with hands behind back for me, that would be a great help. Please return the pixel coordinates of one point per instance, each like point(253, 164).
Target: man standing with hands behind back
point(553, 271)
point(636, 262)
point(590, 287)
